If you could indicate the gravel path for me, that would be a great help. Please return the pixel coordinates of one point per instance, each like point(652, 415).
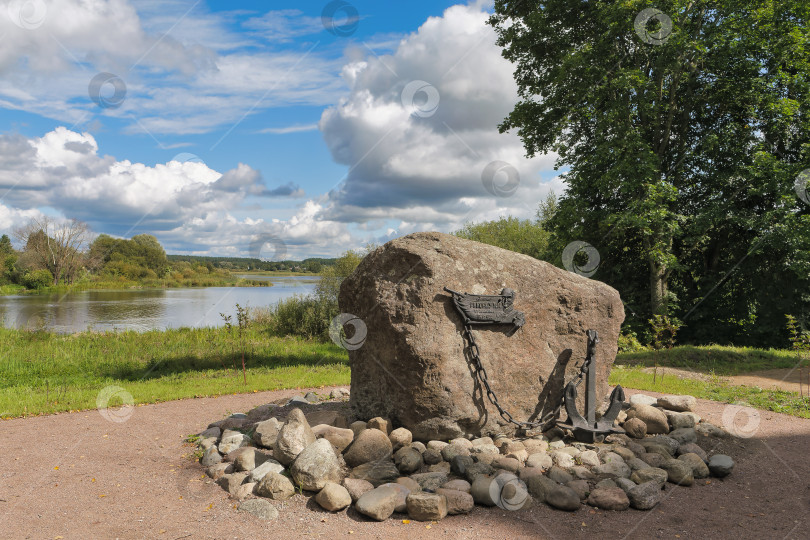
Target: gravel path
point(79, 475)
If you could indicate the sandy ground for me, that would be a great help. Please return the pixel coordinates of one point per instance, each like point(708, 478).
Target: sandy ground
point(79, 475)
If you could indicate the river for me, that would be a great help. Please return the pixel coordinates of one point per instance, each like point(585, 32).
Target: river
point(144, 309)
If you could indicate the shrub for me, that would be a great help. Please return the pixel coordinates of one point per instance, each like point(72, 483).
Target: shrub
point(37, 279)
point(262, 316)
point(306, 316)
point(629, 343)
point(332, 276)
point(310, 316)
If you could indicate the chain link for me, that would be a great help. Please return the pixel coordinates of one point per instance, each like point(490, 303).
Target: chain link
point(481, 375)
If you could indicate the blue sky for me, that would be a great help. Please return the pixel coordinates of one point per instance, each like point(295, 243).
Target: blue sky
point(317, 126)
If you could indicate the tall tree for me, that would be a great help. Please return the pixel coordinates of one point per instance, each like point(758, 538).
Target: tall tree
point(667, 118)
point(55, 246)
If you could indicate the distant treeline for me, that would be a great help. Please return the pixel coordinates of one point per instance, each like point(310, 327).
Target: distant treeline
point(54, 254)
point(314, 265)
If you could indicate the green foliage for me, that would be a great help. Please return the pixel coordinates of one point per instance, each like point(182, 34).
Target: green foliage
point(518, 235)
point(332, 276)
point(5, 245)
point(310, 316)
point(246, 264)
point(679, 157)
point(38, 279)
point(664, 331)
point(799, 340)
point(138, 258)
point(628, 342)
point(305, 316)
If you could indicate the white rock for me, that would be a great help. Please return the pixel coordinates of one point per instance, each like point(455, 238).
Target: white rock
point(540, 459)
point(677, 403)
point(643, 399)
point(271, 465)
point(562, 460)
point(436, 445)
point(589, 458)
point(231, 440)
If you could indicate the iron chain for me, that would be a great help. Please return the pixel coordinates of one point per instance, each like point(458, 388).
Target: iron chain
point(481, 375)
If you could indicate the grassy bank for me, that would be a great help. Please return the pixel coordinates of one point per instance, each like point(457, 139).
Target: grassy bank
point(156, 283)
point(713, 359)
point(715, 390)
point(716, 361)
point(45, 373)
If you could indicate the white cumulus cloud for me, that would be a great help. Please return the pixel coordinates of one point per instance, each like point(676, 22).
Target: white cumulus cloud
point(419, 126)
point(186, 204)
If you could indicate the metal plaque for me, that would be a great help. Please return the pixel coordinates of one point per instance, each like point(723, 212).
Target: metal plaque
point(488, 308)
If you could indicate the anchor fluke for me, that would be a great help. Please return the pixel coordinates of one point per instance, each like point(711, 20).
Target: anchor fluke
point(588, 429)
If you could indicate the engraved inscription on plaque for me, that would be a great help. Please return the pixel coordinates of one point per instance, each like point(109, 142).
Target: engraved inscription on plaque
point(488, 309)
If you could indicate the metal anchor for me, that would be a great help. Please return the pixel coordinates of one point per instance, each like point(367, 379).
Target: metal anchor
point(588, 429)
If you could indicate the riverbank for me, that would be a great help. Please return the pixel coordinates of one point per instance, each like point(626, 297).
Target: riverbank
point(275, 273)
point(199, 281)
point(44, 373)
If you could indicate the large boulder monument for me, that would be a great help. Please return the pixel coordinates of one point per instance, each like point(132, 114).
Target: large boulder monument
point(414, 367)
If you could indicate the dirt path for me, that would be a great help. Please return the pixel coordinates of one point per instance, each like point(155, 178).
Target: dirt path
point(770, 379)
point(78, 475)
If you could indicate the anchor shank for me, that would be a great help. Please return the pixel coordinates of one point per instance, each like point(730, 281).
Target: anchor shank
point(590, 396)
point(590, 379)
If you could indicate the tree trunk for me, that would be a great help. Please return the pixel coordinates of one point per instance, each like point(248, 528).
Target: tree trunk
point(658, 289)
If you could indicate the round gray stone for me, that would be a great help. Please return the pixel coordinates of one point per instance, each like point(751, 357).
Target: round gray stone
point(259, 508)
point(720, 465)
point(645, 496)
point(379, 503)
point(678, 472)
point(408, 459)
point(699, 468)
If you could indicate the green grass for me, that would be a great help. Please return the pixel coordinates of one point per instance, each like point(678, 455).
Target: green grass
point(46, 373)
point(713, 359)
point(715, 390)
point(6, 290)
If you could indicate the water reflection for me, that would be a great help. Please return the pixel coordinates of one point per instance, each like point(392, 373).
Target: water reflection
point(144, 309)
